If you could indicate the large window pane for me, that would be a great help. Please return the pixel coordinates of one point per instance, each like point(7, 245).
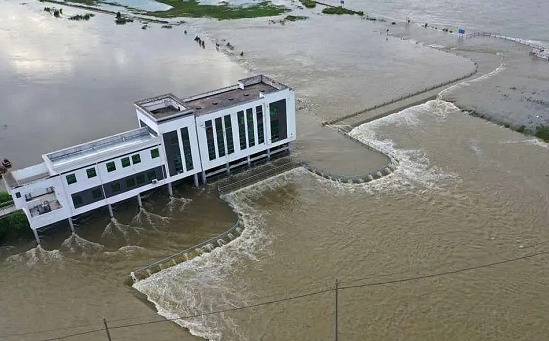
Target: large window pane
point(187, 148)
point(241, 129)
point(173, 153)
point(259, 120)
point(229, 134)
point(278, 120)
point(210, 139)
point(250, 119)
point(219, 134)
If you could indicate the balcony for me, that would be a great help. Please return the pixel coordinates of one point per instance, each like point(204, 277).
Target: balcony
point(31, 197)
point(47, 203)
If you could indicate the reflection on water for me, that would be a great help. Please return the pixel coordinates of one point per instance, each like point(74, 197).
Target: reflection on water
point(65, 82)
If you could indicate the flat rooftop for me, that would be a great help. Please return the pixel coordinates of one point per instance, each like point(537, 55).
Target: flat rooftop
point(169, 106)
point(98, 150)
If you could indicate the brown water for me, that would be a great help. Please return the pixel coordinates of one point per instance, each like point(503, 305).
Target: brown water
point(466, 193)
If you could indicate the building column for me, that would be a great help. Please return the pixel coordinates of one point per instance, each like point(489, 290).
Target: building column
point(228, 169)
point(249, 161)
point(269, 154)
point(71, 224)
point(36, 236)
point(195, 176)
point(204, 181)
point(111, 214)
point(170, 189)
point(139, 200)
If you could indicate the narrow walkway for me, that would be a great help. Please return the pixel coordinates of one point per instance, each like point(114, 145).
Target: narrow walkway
point(348, 122)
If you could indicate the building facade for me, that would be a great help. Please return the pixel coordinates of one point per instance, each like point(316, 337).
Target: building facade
point(195, 137)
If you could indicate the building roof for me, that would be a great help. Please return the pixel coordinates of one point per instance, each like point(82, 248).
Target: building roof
point(98, 150)
point(26, 175)
point(168, 106)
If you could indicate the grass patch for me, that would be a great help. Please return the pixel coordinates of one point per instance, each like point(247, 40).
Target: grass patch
point(341, 10)
point(543, 133)
point(14, 226)
point(193, 9)
point(295, 17)
point(5, 197)
point(308, 3)
point(79, 17)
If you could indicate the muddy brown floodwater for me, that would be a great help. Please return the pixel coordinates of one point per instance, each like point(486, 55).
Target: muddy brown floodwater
point(466, 193)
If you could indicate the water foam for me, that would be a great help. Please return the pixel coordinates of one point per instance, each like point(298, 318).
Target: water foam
point(414, 167)
point(77, 245)
point(37, 256)
point(198, 285)
point(121, 232)
point(144, 217)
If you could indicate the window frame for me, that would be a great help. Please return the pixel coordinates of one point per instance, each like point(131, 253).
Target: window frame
point(110, 163)
point(136, 157)
point(72, 177)
point(90, 170)
point(125, 161)
point(155, 153)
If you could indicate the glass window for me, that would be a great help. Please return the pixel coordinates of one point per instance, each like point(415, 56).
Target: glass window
point(151, 175)
point(241, 129)
point(71, 179)
point(91, 173)
point(187, 148)
point(210, 139)
point(97, 193)
point(77, 200)
point(130, 182)
point(125, 162)
point(111, 167)
point(136, 158)
point(220, 140)
point(173, 154)
point(18, 195)
point(155, 153)
point(115, 187)
point(140, 179)
point(250, 119)
point(229, 134)
point(278, 120)
point(259, 121)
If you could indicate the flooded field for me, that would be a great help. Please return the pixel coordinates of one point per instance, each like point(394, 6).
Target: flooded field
point(467, 194)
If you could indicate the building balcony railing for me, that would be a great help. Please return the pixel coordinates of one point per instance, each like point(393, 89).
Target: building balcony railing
point(30, 196)
point(44, 207)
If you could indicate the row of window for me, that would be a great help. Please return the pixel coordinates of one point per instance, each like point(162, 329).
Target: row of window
point(111, 165)
point(173, 153)
point(224, 131)
point(116, 187)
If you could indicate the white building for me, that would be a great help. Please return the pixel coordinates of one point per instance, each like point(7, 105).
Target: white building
point(198, 137)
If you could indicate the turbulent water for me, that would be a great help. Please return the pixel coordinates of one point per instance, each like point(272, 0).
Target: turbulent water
point(457, 200)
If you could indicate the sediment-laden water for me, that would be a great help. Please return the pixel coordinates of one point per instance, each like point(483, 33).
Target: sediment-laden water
point(467, 193)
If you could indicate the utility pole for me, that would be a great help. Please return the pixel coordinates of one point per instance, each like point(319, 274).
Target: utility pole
point(336, 294)
point(107, 329)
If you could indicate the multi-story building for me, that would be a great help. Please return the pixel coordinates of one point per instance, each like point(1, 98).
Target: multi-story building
point(195, 137)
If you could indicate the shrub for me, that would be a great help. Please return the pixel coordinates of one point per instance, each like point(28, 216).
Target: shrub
point(5, 197)
point(308, 3)
point(14, 226)
point(543, 133)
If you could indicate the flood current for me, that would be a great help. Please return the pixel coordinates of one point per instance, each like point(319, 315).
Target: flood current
point(450, 246)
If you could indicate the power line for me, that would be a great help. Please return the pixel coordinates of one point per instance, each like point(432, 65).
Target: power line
point(309, 294)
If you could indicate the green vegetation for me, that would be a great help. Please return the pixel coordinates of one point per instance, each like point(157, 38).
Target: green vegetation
point(308, 3)
point(543, 133)
point(295, 17)
point(341, 10)
point(14, 226)
point(192, 8)
point(5, 197)
point(86, 16)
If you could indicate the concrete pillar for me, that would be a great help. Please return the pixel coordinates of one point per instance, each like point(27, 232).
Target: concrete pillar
point(139, 201)
point(71, 224)
point(36, 236)
point(204, 181)
point(269, 154)
point(228, 169)
point(249, 161)
point(111, 214)
point(170, 189)
point(195, 176)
